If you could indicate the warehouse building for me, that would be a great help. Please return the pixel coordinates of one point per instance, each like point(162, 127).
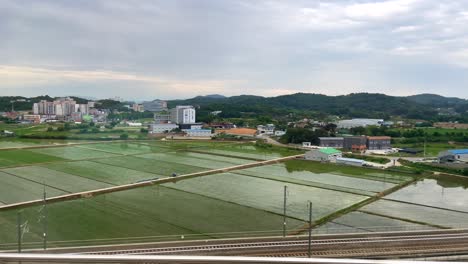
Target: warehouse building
point(453, 155)
point(357, 143)
point(350, 161)
point(359, 122)
point(162, 128)
point(332, 142)
point(379, 143)
point(323, 154)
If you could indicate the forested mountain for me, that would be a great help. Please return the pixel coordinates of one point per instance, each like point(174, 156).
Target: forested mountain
point(423, 106)
point(352, 105)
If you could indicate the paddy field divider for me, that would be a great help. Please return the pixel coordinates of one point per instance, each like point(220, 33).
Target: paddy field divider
point(93, 193)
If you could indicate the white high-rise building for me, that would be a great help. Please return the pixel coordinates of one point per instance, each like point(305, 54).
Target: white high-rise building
point(36, 108)
point(183, 114)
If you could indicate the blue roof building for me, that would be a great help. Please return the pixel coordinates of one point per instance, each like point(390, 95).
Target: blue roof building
point(454, 155)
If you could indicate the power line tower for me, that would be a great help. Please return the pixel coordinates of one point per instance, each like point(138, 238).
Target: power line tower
point(43, 219)
point(23, 228)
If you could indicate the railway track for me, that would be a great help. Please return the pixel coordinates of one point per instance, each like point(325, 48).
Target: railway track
point(411, 244)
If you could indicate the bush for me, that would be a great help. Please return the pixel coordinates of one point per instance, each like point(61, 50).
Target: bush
point(124, 136)
point(50, 129)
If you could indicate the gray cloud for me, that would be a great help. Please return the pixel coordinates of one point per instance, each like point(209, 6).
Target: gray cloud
point(172, 49)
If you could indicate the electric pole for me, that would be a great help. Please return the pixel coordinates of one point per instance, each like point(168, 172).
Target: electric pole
point(284, 210)
point(19, 220)
point(310, 230)
point(44, 219)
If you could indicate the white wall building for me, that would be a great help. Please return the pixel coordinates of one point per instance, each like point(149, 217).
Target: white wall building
point(323, 154)
point(279, 133)
point(162, 128)
point(359, 122)
point(454, 155)
point(266, 130)
point(183, 114)
point(198, 132)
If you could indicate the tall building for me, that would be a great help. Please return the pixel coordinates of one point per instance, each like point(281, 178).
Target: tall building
point(183, 114)
point(155, 106)
point(60, 107)
point(138, 108)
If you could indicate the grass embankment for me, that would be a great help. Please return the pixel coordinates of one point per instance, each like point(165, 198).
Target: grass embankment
point(360, 172)
point(428, 167)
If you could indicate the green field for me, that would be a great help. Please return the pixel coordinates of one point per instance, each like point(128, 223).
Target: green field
point(154, 213)
point(18, 157)
point(268, 194)
point(244, 202)
point(420, 214)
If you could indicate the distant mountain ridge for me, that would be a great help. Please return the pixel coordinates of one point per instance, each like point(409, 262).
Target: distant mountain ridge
point(436, 100)
point(373, 105)
point(370, 105)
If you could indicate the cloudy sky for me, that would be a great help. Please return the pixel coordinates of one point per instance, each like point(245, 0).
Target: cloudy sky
point(178, 49)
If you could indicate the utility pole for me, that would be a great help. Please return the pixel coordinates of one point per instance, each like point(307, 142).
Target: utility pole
point(284, 210)
point(310, 230)
point(44, 219)
point(19, 220)
point(424, 145)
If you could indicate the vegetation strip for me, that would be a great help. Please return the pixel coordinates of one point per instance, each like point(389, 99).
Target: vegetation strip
point(404, 219)
point(88, 194)
point(428, 206)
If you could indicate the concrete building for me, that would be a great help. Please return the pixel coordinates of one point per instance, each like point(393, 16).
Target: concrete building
point(155, 106)
point(323, 154)
point(191, 126)
point(333, 142)
point(222, 125)
point(60, 107)
point(198, 132)
point(36, 119)
point(162, 128)
point(355, 143)
point(378, 143)
point(134, 124)
point(138, 108)
point(183, 114)
point(453, 155)
point(359, 122)
point(266, 130)
point(279, 133)
point(162, 118)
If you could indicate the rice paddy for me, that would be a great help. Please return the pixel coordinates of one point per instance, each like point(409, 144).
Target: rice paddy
point(244, 202)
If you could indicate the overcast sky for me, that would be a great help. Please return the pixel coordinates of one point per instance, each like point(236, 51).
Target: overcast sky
point(179, 49)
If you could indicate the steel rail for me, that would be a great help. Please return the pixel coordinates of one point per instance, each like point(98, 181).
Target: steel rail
point(58, 258)
point(281, 244)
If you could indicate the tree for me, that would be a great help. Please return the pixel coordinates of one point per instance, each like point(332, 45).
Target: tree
point(50, 129)
point(124, 136)
point(67, 126)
